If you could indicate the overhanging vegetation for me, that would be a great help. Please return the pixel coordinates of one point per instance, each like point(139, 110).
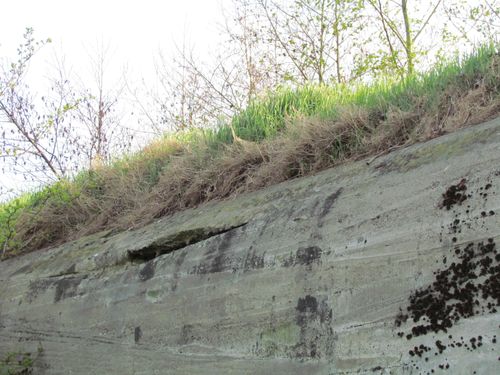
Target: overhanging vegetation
point(287, 134)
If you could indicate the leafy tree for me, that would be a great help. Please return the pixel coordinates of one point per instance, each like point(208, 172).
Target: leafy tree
point(401, 29)
point(269, 43)
point(317, 40)
point(192, 92)
point(473, 22)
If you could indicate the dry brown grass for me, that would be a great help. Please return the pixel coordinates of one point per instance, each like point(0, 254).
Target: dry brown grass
point(307, 147)
point(196, 176)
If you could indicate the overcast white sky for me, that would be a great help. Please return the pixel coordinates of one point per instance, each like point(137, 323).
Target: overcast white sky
point(133, 30)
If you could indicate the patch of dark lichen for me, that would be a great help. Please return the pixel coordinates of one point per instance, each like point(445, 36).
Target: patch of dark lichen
point(455, 194)
point(468, 286)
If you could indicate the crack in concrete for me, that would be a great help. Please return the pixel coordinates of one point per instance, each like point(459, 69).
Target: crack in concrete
point(177, 241)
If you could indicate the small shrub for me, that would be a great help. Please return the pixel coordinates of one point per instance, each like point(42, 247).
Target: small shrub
point(19, 362)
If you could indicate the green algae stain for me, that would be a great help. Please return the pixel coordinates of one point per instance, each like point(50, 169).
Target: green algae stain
point(277, 341)
point(153, 296)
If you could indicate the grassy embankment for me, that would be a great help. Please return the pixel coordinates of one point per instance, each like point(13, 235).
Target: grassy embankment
point(288, 134)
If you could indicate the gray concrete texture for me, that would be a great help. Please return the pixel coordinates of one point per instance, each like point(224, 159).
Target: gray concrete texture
point(388, 267)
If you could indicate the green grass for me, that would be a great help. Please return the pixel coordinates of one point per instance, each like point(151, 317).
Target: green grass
point(19, 362)
point(263, 120)
point(265, 117)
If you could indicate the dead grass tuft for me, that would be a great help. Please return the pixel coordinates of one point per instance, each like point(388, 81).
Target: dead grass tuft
point(307, 146)
point(171, 176)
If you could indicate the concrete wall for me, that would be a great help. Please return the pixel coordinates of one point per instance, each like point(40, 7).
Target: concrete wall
point(388, 267)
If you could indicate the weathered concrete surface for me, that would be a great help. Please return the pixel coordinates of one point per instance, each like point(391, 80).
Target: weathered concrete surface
point(312, 276)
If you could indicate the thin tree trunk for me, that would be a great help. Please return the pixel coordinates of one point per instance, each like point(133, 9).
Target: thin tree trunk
point(386, 32)
point(337, 43)
point(39, 151)
point(409, 42)
point(321, 62)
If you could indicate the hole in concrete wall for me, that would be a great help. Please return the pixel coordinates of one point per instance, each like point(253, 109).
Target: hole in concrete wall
point(177, 241)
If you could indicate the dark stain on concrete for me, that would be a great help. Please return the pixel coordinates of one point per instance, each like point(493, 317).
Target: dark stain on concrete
point(307, 309)
point(178, 263)
point(225, 241)
point(328, 204)
point(218, 263)
point(314, 207)
point(148, 271)
point(137, 334)
point(217, 259)
point(66, 288)
point(308, 255)
point(180, 259)
point(314, 320)
point(186, 335)
point(253, 260)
